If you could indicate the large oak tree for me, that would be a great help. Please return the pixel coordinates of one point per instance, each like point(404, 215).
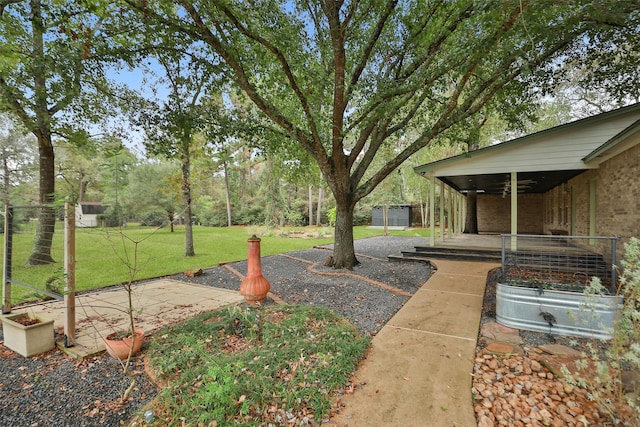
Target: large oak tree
point(362, 74)
point(49, 72)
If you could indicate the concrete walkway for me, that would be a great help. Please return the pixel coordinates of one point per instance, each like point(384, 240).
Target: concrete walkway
point(418, 370)
point(102, 312)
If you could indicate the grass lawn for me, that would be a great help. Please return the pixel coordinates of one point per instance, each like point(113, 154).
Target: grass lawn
point(103, 256)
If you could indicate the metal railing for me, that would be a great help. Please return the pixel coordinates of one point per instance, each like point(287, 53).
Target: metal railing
point(23, 222)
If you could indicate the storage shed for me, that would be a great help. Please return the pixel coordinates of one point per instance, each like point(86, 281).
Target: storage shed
point(398, 216)
point(87, 214)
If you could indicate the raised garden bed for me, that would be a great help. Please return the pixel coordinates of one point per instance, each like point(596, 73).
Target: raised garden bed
point(557, 305)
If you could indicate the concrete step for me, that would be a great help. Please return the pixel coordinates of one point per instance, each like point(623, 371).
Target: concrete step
point(447, 253)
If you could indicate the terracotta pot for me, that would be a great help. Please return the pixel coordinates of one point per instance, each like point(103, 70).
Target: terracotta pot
point(118, 348)
point(254, 288)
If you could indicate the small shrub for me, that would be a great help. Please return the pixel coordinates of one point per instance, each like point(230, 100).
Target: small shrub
point(332, 214)
point(362, 215)
point(294, 218)
point(153, 219)
point(251, 214)
point(602, 375)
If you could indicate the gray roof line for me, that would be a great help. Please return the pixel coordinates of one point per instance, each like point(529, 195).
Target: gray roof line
point(634, 127)
point(526, 138)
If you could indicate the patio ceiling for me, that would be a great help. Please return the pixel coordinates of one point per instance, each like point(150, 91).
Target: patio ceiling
point(500, 183)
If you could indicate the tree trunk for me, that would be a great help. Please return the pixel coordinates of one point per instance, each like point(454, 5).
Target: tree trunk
point(186, 195)
point(343, 252)
point(310, 204)
point(43, 239)
point(227, 194)
point(424, 212)
point(471, 220)
point(171, 218)
point(319, 210)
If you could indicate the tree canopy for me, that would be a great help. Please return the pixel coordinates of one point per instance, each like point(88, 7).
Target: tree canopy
point(345, 79)
point(50, 71)
point(358, 87)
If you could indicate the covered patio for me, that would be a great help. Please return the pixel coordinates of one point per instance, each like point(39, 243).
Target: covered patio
point(577, 179)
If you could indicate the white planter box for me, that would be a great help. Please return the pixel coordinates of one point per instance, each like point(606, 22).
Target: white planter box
point(521, 307)
point(28, 340)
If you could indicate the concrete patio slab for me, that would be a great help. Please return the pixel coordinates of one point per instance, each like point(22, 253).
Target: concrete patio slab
point(157, 303)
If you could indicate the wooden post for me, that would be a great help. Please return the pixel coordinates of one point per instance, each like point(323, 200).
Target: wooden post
point(70, 275)
point(432, 211)
point(310, 205)
point(449, 212)
point(6, 272)
point(514, 210)
point(442, 222)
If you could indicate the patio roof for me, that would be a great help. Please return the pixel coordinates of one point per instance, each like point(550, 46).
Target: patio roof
point(542, 160)
point(528, 182)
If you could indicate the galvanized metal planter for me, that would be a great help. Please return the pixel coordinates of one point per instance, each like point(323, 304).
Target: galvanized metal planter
point(556, 312)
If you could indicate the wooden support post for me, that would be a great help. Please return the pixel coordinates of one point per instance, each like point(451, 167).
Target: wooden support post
point(460, 216)
point(514, 210)
point(6, 261)
point(432, 211)
point(574, 211)
point(70, 275)
point(442, 221)
point(449, 212)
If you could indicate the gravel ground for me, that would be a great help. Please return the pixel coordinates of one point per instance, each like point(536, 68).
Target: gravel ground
point(52, 389)
point(519, 389)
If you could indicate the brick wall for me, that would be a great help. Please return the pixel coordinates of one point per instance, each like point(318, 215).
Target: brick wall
point(494, 213)
point(617, 199)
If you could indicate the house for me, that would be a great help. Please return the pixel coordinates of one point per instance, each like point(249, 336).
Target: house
point(581, 178)
point(87, 214)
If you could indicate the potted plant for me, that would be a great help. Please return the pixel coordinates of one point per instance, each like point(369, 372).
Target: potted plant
point(122, 345)
point(28, 334)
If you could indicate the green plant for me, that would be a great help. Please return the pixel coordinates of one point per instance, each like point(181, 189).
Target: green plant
point(56, 282)
point(245, 366)
point(245, 322)
point(154, 219)
point(220, 398)
point(604, 374)
point(332, 215)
